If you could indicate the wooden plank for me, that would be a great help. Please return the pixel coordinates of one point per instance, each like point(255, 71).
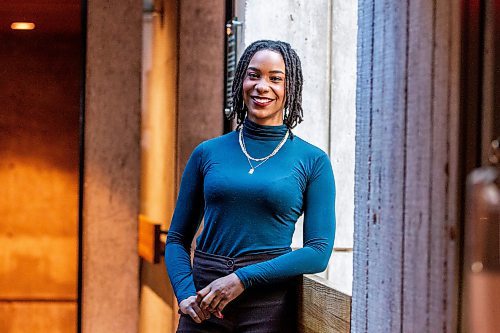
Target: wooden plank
point(54, 317)
point(376, 138)
point(362, 158)
point(387, 178)
point(322, 309)
point(442, 221)
point(452, 268)
point(418, 180)
point(379, 180)
point(405, 167)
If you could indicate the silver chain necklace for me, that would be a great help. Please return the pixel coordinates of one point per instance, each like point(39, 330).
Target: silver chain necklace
point(262, 160)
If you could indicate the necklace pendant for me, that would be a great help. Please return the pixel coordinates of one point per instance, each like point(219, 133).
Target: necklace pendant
point(251, 171)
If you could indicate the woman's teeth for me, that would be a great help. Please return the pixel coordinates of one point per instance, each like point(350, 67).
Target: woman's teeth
point(262, 100)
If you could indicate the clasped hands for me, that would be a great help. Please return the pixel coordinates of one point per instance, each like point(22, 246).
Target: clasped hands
point(213, 298)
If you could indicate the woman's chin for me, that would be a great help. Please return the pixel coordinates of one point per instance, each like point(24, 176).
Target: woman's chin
point(265, 118)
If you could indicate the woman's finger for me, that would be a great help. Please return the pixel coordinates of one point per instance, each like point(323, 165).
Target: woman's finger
point(202, 293)
point(207, 300)
point(219, 314)
point(199, 312)
point(222, 304)
point(215, 302)
point(206, 313)
point(194, 315)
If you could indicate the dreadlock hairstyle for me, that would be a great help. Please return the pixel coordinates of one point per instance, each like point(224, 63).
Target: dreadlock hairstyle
point(293, 113)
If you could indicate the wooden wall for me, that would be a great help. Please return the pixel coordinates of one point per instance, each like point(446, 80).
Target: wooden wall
point(406, 167)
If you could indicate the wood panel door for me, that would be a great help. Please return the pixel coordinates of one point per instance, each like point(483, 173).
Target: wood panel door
point(40, 80)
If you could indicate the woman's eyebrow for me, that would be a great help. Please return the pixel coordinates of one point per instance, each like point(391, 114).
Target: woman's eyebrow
point(273, 71)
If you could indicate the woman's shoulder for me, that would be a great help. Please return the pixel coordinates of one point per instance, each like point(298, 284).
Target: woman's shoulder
point(317, 161)
point(215, 143)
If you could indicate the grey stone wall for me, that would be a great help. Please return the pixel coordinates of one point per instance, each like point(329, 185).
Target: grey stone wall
point(324, 35)
point(112, 162)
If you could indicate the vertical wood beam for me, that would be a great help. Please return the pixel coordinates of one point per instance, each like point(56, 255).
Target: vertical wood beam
point(407, 134)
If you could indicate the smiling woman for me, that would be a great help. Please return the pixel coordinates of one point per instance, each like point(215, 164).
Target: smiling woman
point(244, 273)
point(264, 88)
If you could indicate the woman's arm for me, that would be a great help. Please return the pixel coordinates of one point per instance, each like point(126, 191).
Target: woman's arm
point(185, 222)
point(319, 234)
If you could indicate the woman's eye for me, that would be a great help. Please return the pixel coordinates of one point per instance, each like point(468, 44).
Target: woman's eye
point(252, 75)
point(276, 78)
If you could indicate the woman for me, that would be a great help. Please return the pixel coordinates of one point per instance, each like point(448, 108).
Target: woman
point(251, 186)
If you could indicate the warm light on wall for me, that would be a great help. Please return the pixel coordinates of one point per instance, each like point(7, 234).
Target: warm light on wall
point(22, 26)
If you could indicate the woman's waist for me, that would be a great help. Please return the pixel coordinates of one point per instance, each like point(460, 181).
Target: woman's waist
point(241, 259)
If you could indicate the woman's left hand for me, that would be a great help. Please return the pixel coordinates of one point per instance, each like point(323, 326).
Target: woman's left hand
point(219, 293)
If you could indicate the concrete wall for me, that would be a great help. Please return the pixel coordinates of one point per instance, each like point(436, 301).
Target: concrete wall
point(324, 35)
point(158, 156)
point(40, 81)
point(201, 75)
point(110, 294)
point(182, 106)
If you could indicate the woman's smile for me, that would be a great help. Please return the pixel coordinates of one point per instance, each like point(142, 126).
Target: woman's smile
point(262, 101)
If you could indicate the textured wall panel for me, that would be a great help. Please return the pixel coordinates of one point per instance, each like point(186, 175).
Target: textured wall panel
point(407, 134)
point(201, 75)
point(112, 161)
point(306, 26)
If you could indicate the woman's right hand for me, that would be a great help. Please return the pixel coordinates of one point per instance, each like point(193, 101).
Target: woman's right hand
point(190, 307)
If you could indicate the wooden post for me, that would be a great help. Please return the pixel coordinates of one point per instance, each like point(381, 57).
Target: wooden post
point(406, 167)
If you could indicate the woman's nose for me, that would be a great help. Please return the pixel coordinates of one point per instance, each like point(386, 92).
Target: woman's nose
point(262, 86)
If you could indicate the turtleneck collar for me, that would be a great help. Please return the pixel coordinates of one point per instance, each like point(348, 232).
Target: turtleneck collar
point(263, 132)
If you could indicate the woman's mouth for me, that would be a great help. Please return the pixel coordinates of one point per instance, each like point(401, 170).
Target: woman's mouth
point(262, 101)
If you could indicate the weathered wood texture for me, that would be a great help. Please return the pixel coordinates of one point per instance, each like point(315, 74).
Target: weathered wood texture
point(406, 143)
point(322, 309)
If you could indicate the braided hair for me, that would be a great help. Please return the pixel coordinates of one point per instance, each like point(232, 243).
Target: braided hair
point(293, 113)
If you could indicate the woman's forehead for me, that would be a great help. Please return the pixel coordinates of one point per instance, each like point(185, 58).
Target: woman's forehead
point(267, 58)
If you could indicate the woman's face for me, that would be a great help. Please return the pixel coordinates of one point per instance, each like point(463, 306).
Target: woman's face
point(264, 88)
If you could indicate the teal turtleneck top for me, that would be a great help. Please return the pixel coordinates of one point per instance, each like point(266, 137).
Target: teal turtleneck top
point(255, 213)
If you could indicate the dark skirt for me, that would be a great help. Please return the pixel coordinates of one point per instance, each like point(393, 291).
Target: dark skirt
point(259, 309)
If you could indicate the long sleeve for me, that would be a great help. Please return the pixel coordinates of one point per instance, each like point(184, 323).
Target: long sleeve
point(319, 234)
point(185, 222)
